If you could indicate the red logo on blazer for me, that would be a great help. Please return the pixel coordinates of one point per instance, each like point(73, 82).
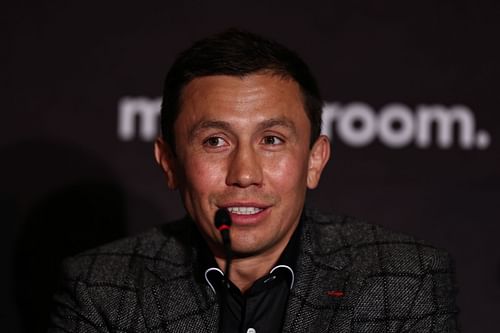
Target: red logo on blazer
point(335, 293)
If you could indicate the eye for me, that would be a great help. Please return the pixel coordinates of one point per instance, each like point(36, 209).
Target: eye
point(272, 140)
point(214, 141)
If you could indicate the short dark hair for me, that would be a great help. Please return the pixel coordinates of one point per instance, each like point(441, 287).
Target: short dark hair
point(237, 53)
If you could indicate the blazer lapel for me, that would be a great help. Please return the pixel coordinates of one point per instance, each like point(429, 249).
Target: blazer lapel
point(174, 296)
point(322, 282)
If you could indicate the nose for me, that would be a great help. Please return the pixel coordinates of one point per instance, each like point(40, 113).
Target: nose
point(244, 168)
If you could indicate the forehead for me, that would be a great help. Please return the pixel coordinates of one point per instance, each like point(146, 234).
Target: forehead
point(251, 95)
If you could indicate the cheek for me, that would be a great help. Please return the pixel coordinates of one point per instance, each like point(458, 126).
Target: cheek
point(287, 174)
point(201, 181)
point(203, 177)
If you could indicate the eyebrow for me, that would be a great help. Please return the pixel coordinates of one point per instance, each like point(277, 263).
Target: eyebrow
point(224, 125)
point(217, 124)
point(277, 122)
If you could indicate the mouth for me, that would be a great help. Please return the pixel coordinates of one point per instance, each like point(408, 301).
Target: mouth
point(244, 210)
point(247, 213)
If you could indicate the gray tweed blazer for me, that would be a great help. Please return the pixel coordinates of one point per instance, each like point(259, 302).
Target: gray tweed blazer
point(350, 277)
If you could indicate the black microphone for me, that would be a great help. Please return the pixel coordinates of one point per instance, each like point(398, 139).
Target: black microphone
point(223, 222)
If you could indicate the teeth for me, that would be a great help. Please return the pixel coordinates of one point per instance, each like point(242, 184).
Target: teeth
point(244, 210)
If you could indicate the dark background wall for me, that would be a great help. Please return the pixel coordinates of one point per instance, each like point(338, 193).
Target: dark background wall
point(413, 105)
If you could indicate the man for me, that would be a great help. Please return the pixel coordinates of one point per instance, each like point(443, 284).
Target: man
point(241, 120)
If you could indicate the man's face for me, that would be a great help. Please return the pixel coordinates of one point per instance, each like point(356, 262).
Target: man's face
point(243, 144)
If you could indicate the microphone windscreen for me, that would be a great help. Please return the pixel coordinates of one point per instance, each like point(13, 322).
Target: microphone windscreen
point(222, 217)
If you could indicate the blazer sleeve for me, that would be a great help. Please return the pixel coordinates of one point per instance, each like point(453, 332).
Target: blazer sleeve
point(437, 291)
point(74, 309)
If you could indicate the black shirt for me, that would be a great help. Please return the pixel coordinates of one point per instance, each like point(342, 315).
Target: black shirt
point(261, 309)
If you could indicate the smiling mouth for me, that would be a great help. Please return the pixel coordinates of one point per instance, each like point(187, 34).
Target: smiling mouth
point(244, 210)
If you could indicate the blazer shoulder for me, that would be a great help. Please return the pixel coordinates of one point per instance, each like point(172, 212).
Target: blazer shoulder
point(120, 260)
point(370, 244)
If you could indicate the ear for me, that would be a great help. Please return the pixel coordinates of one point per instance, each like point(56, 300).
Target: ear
point(166, 160)
point(318, 157)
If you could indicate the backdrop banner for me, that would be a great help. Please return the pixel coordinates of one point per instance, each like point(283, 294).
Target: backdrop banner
point(411, 107)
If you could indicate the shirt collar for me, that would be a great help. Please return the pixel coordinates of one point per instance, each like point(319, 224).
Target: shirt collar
point(284, 268)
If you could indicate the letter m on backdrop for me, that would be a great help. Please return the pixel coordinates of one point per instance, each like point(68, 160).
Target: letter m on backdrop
point(138, 117)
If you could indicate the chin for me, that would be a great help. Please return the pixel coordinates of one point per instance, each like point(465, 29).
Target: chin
point(244, 250)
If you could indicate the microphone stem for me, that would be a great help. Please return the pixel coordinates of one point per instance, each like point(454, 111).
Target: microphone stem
point(227, 249)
